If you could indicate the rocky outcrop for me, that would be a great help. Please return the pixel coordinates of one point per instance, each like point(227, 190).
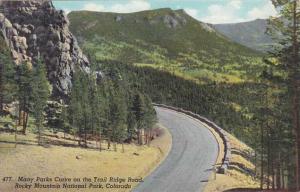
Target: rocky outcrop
point(174, 20)
point(171, 19)
point(34, 29)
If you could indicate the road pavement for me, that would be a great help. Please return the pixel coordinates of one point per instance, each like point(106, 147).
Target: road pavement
point(190, 161)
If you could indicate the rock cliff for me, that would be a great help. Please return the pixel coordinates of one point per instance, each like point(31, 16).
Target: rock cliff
point(35, 29)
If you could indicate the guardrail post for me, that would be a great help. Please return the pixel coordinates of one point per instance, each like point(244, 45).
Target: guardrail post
point(215, 172)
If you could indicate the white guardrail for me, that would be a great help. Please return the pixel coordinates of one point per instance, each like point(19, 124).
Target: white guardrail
point(227, 148)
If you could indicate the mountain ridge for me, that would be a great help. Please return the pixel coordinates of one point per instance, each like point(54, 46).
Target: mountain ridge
point(167, 39)
point(251, 33)
point(172, 19)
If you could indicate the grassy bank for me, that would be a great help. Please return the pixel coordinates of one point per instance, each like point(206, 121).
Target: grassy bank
point(62, 158)
point(240, 170)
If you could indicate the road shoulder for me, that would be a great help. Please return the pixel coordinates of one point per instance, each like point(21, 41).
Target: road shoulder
point(235, 176)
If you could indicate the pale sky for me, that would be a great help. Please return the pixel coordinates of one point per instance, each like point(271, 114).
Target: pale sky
point(210, 11)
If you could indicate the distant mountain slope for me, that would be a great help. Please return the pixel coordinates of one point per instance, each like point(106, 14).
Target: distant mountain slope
point(251, 34)
point(174, 30)
point(163, 38)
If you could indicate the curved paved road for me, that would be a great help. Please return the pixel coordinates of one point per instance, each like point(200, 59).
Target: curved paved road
point(188, 165)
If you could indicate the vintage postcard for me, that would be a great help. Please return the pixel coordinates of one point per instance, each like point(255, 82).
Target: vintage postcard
point(149, 95)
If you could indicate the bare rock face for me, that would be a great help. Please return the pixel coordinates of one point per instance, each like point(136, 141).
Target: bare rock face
point(172, 19)
point(33, 29)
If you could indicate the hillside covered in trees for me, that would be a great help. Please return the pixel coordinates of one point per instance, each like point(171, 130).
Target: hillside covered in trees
point(165, 39)
point(219, 79)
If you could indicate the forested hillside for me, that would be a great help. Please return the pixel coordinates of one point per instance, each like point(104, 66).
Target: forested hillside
point(216, 78)
point(165, 39)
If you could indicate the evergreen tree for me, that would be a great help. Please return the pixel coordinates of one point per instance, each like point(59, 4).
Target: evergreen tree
point(139, 112)
point(98, 105)
point(64, 120)
point(145, 115)
point(81, 106)
point(7, 77)
point(40, 93)
point(131, 124)
point(150, 118)
point(284, 70)
point(103, 110)
point(94, 103)
point(85, 106)
point(117, 113)
point(24, 92)
point(75, 109)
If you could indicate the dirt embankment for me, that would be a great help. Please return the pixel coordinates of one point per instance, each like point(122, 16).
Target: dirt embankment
point(240, 173)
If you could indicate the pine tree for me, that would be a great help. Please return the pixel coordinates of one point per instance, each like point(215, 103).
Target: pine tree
point(7, 77)
point(75, 109)
point(85, 106)
point(117, 114)
point(64, 120)
point(145, 115)
point(285, 29)
point(131, 119)
point(139, 112)
point(80, 108)
point(150, 118)
point(40, 93)
point(102, 110)
point(131, 125)
point(24, 92)
point(98, 106)
point(94, 103)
